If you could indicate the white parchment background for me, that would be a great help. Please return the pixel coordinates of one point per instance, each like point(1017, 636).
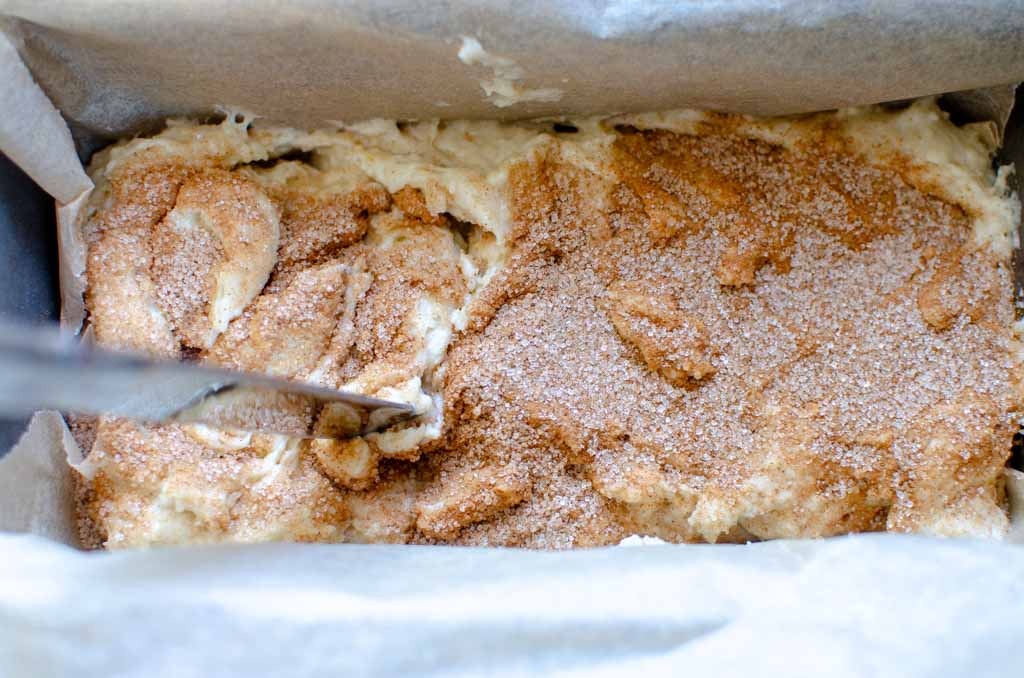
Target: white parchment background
point(859, 606)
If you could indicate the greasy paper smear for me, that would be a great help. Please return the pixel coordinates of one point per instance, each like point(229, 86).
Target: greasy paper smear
point(848, 606)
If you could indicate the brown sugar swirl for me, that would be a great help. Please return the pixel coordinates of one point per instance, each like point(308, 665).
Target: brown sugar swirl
point(700, 328)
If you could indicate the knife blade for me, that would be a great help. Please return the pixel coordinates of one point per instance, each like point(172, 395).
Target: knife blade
point(42, 367)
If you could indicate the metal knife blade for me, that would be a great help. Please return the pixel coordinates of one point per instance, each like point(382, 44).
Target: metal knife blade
point(44, 368)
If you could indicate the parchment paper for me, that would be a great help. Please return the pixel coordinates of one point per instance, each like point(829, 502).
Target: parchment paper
point(116, 65)
point(861, 606)
point(852, 606)
point(32, 132)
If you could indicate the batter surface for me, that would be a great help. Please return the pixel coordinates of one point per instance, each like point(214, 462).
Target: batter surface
point(683, 325)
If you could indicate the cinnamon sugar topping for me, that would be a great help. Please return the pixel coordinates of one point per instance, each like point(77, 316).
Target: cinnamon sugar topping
point(701, 335)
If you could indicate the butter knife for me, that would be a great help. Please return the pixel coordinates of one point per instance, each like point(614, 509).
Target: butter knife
point(42, 367)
